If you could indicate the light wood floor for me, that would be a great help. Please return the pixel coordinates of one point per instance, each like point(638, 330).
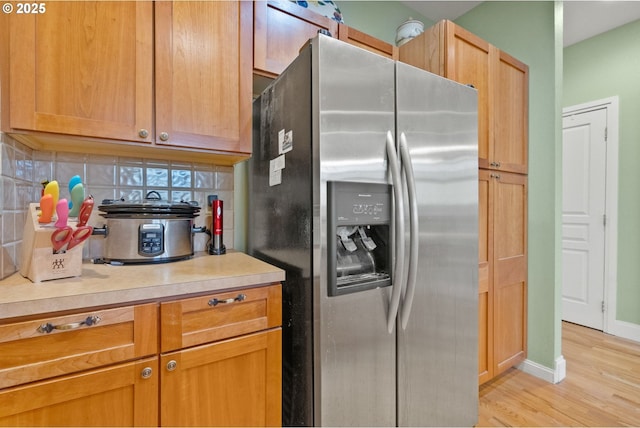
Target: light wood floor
point(602, 387)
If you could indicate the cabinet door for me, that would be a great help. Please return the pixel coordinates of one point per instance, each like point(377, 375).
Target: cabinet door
point(236, 382)
point(123, 395)
point(485, 286)
point(203, 75)
point(83, 68)
point(281, 29)
point(511, 113)
point(365, 41)
point(468, 62)
point(509, 269)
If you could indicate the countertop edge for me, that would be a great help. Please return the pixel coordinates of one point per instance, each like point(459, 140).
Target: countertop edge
point(134, 294)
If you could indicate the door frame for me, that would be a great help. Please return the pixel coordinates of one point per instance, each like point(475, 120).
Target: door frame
point(610, 324)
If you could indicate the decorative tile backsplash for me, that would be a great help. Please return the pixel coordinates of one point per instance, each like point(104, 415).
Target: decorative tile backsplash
point(105, 177)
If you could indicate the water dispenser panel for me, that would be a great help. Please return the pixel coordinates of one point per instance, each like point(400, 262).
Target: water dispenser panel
point(358, 247)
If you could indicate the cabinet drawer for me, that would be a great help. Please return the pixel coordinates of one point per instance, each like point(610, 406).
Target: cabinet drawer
point(48, 347)
point(198, 320)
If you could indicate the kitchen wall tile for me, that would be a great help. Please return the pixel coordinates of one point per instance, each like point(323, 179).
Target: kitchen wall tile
point(132, 195)
point(24, 167)
point(204, 176)
point(9, 252)
point(181, 196)
point(105, 177)
point(157, 177)
point(8, 194)
point(131, 175)
point(180, 178)
point(25, 193)
point(101, 171)
point(8, 227)
point(66, 166)
point(100, 193)
point(8, 159)
point(43, 163)
point(16, 188)
point(224, 178)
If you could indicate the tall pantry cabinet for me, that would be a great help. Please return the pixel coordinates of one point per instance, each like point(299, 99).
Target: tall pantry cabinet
point(502, 83)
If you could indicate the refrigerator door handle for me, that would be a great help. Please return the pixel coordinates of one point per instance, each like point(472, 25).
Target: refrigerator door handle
point(414, 231)
point(396, 178)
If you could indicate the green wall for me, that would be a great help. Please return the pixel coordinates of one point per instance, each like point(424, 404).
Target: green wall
point(601, 67)
point(378, 18)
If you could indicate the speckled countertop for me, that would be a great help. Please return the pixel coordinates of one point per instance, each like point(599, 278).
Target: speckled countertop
point(101, 285)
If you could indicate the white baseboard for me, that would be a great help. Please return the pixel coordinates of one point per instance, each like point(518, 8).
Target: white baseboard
point(619, 328)
point(625, 330)
point(545, 373)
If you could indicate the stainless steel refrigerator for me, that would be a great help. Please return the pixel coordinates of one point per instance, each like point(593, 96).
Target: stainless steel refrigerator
point(363, 186)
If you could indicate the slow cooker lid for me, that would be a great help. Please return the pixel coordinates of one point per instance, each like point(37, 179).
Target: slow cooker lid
point(152, 204)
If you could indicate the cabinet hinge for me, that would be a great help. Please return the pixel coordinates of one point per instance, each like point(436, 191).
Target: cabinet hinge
point(604, 219)
point(606, 134)
point(603, 306)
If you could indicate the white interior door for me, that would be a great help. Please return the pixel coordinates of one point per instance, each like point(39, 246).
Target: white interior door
point(583, 217)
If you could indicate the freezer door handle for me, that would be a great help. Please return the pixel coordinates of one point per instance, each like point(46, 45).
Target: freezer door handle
point(397, 280)
point(414, 230)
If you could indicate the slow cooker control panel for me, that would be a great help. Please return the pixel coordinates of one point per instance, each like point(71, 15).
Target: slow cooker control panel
point(151, 239)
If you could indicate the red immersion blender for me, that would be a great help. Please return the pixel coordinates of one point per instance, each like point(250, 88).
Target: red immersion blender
point(216, 246)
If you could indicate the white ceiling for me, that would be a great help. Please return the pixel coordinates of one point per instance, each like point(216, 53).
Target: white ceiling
point(582, 19)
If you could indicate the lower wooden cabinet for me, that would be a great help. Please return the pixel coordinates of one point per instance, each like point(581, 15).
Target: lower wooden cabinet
point(222, 359)
point(121, 395)
point(503, 272)
point(236, 382)
point(210, 360)
point(53, 346)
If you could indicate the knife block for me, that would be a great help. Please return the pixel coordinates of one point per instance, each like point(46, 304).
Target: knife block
point(38, 262)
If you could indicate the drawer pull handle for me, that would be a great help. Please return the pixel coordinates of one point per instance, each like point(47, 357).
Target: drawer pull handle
point(238, 298)
point(89, 321)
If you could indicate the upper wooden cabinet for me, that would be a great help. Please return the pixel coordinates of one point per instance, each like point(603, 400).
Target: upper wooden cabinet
point(502, 83)
point(281, 29)
point(203, 74)
point(96, 78)
point(365, 41)
point(511, 114)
